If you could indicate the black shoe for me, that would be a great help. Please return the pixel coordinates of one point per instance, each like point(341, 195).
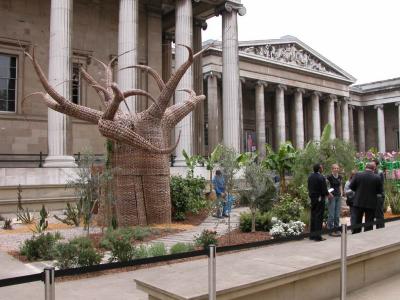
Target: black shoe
point(319, 239)
point(225, 215)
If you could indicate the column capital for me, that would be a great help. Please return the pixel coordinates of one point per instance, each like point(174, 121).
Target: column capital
point(397, 104)
point(332, 97)
point(200, 23)
point(378, 106)
point(261, 83)
point(242, 79)
point(212, 74)
point(230, 6)
point(168, 36)
point(346, 99)
point(281, 87)
point(316, 93)
point(300, 90)
point(360, 108)
point(352, 107)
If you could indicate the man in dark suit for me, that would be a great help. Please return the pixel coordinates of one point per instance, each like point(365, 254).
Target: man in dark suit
point(317, 191)
point(367, 185)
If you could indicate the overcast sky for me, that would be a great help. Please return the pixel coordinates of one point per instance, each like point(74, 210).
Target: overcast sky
point(360, 36)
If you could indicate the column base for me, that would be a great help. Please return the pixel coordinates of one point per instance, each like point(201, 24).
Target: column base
point(60, 162)
point(179, 162)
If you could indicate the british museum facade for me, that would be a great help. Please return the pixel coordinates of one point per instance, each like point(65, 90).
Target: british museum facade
point(265, 91)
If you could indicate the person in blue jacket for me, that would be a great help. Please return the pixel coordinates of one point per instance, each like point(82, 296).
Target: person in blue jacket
point(224, 200)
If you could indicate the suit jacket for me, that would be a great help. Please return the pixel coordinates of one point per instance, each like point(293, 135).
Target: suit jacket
point(366, 185)
point(317, 186)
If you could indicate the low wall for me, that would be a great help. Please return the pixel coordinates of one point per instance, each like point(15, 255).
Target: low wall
point(293, 271)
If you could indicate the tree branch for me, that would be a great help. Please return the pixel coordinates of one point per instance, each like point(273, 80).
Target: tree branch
point(152, 72)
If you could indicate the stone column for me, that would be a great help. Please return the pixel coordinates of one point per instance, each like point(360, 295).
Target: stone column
point(214, 114)
point(381, 128)
point(59, 78)
point(398, 112)
point(361, 129)
point(128, 35)
point(345, 120)
point(198, 25)
point(260, 118)
point(184, 36)
point(351, 123)
point(315, 116)
point(331, 114)
point(298, 107)
point(280, 115)
point(230, 75)
point(242, 87)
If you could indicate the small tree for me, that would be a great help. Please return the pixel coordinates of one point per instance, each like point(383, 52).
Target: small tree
point(230, 163)
point(86, 186)
point(281, 161)
point(260, 189)
point(211, 161)
point(326, 152)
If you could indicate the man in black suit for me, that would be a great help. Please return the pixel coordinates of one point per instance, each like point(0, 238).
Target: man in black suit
point(367, 185)
point(317, 191)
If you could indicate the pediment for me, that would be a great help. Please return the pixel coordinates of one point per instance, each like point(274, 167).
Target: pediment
point(293, 53)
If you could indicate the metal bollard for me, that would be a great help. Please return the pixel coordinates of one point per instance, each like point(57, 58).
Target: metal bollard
point(343, 265)
point(49, 284)
point(212, 276)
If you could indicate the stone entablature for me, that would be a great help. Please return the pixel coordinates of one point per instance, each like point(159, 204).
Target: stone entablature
point(290, 53)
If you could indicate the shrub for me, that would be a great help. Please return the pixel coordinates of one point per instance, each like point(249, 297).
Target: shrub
point(111, 235)
point(87, 254)
point(305, 216)
point(281, 229)
point(141, 252)
point(140, 233)
point(187, 195)
point(41, 247)
point(157, 249)
point(181, 248)
point(7, 224)
point(263, 221)
point(78, 252)
point(206, 238)
point(287, 208)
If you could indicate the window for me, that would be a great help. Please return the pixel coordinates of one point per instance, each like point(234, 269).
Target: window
point(8, 82)
point(76, 83)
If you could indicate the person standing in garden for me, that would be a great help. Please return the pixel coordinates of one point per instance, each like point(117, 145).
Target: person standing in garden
point(334, 204)
point(218, 182)
point(367, 186)
point(380, 207)
point(317, 191)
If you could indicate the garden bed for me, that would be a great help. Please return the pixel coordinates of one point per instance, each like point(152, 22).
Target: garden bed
point(237, 237)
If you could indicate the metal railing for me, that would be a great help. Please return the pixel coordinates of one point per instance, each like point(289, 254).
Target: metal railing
point(49, 274)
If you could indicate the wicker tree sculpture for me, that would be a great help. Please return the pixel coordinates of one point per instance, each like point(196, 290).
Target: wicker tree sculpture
point(141, 141)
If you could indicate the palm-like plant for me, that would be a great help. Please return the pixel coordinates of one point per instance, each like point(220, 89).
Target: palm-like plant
point(281, 161)
point(211, 161)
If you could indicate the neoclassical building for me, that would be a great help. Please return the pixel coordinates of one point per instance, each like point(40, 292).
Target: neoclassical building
point(258, 92)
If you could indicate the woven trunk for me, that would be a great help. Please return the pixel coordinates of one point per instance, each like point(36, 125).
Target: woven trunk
point(141, 183)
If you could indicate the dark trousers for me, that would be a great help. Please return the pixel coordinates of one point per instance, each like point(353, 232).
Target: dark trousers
point(358, 215)
point(379, 213)
point(317, 216)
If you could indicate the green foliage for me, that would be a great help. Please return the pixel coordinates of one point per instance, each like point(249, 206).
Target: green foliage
point(24, 215)
point(392, 196)
point(120, 243)
point(72, 215)
point(7, 224)
point(1, 218)
point(157, 249)
point(86, 185)
point(326, 152)
point(78, 252)
point(206, 238)
point(43, 224)
point(140, 233)
point(187, 194)
point(211, 161)
point(40, 247)
point(110, 236)
point(181, 248)
point(191, 162)
point(141, 251)
point(305, 216)
point(287, 208)
point(301, 193)
point(230, 163)
point(263, 222)
point(281, 161)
